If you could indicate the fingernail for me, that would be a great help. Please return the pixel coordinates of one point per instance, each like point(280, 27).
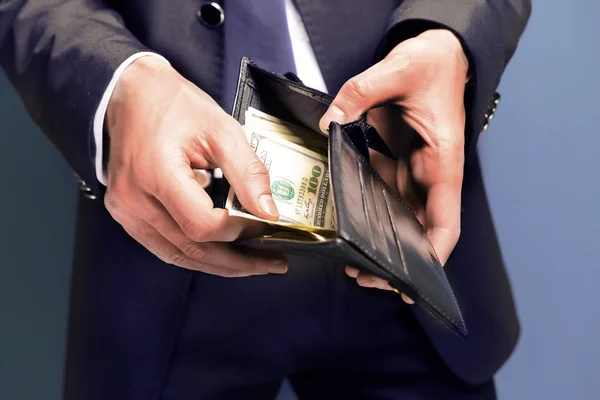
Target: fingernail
point(267, 205)
point(407, 299)
point(351, 271)
point(278, 267)
point(333, 114)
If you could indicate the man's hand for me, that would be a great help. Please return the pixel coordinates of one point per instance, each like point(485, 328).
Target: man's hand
point(161, 127)
point(422, 81)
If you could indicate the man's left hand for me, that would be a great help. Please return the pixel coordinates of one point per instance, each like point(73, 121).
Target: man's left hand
point(421, 81)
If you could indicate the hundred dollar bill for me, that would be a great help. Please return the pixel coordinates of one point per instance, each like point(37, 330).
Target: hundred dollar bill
point(252, 114)
point(299, 183)
point(258, 120)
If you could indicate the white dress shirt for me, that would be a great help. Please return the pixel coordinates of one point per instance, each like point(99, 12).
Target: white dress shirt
point(307, 70)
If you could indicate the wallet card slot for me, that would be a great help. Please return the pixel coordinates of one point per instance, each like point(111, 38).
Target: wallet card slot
point(395, 232)
point(385, 250)
point(365, 204)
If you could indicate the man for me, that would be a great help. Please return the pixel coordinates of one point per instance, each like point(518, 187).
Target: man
point(162, 306)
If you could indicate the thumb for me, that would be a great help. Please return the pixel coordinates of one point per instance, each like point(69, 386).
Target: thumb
point(246, 174)
point(371, 88)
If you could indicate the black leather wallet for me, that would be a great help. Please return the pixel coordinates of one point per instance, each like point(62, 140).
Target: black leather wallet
point(376, 231)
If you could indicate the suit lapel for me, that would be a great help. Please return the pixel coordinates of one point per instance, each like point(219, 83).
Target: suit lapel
point(342, 33)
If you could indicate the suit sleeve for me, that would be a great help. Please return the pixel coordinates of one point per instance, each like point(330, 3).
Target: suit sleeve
point(489, 31)
point(61, 55)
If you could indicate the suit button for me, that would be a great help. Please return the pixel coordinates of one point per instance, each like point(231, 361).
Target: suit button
point(211, 14)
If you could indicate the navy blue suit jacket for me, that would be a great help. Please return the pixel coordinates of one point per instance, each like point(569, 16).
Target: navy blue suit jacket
point(61, 54)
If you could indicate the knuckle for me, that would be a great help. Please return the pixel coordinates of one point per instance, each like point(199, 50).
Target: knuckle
point(357, 90)
point(196, 232)
point(176, 258)
point(114, 195)
point(442, 145)
point(230, 126)
point(256, 172)
point(218, 127)
point(200, 144)
point(153, 217)
point(249, 268)
point(212, 129)
point(111, 202)
point(367, 282)
point(119, 197)
point(198, 252)
point(439, 144)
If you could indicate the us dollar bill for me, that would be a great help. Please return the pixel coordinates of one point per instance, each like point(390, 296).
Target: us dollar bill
point(258, 120)
point(299, 179)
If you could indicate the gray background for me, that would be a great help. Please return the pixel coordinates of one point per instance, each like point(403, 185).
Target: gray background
point(542, 178)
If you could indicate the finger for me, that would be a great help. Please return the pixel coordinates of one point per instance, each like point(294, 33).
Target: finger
point(241, 166)
point(378, 118)
point(351, 271)
point(385, 167)
point(217, 254)
point(354, 273)
point(377, 85)
point(212, 258)
point(440, 172)
point(407, 299)
point(226, 256)
point(398, 177)
point(191, 207)
point(395, 173)
point(367, 280)
point(158, 245)
point(406, 190)
point(389, 122)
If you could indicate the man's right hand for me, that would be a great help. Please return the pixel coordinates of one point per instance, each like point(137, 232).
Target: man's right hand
point(161, 127)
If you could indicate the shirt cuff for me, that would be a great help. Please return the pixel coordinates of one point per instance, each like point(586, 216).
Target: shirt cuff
point(101, 112)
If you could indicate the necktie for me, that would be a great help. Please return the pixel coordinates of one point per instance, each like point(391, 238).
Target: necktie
point(256, 29)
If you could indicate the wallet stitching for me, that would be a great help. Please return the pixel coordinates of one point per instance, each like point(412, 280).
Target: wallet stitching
point(249, 95)
point(409, 284)
point(242, 85)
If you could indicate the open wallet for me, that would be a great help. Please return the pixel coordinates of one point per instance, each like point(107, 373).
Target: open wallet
point(375, 230)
